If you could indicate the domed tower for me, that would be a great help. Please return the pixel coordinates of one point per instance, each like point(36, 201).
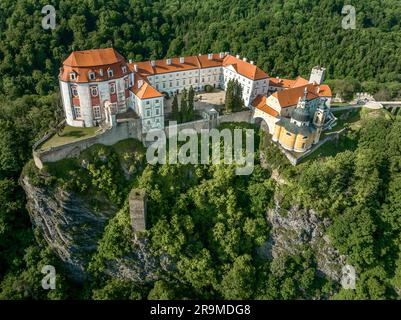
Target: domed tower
point(319, 119)
point(301, 115)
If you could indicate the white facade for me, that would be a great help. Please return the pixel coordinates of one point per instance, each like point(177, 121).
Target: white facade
point(84, 103)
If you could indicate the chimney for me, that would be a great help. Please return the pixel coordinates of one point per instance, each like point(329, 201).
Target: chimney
point(245, 59)
point(318, 89)
point(130, 60)
point(168, 61)
point(182, 59)
point(221, 55)
point(101, 72)
point(140, 83)
point(210, 56)
point(135, 67)
point(153, 63)
point(226, 53)
point(199, 54)
point(252, 62)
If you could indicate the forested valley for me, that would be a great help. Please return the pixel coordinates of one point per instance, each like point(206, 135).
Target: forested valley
point(357, 187)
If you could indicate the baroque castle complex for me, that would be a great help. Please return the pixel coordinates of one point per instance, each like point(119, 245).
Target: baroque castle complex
point(99, 86)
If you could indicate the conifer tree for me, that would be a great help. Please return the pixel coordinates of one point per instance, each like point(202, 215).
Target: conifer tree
point(184, 106)
point(191, 111)
point(229, 101)
point(174, 108)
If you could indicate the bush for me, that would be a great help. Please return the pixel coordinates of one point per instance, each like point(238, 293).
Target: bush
point(208, 88)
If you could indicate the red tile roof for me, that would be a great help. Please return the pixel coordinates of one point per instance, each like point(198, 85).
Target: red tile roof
point(84, 62)
point(290, 97)
point(196, 62)
point(146, 91)
point(245, 68)
point(260, 103)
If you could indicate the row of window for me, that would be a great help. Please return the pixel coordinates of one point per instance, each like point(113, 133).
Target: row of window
point(96, 112)
point(95, 91)
point(188, 73)
point(92, 74)
point(148, 112)
point(165, 85)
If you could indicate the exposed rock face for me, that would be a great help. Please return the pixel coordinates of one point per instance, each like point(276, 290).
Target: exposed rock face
point(140, 266)
point(68, 224)
point(293, 229)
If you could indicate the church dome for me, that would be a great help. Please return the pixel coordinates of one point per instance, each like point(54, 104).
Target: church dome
point(301, 115)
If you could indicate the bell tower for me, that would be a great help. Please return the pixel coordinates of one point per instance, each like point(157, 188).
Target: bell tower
point(318, 119)
point(317, 75)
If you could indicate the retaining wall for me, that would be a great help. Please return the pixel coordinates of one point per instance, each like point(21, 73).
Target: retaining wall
point(125, 130)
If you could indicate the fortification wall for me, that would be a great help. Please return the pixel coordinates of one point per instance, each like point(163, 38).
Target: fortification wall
point(125, 130)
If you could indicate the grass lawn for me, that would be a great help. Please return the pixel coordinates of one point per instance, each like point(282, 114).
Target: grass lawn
point(67, 135)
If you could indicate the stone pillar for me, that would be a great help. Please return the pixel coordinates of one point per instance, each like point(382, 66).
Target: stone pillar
point(137, 208)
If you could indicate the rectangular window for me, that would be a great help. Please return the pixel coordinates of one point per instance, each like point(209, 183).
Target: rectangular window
point(157, 111)
point(148, 113)
point(96, 112)
point(77, 112)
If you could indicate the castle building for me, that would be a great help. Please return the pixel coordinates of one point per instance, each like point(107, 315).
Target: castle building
point(98, 84)
point(297, 112)
point(94, 84)
point(298, 133)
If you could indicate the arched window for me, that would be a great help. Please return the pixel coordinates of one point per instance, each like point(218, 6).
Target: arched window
point(74, 91)
point(110, 73)
point(112, 88)
point(94, 91)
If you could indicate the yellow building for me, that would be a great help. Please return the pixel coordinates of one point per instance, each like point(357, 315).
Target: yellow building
point(303, 129)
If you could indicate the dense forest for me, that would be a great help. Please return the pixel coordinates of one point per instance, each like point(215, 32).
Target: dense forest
point(285, 38)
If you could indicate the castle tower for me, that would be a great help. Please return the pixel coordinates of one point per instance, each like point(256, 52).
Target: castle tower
point(137, 208)
point(319, 119)
point(317, 75)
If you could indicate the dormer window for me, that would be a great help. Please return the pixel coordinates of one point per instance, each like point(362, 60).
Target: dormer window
point(73, 76)
point(94, 91)
point(92, 76)
point(124, 69)
point(110, 73)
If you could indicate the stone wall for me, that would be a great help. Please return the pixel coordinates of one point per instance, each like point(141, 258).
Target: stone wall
point(110, 136)
point(243, 116)
point(123, 130)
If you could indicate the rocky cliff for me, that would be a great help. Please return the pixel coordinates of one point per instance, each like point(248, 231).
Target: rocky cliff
point(68, 223)
point(294, 228)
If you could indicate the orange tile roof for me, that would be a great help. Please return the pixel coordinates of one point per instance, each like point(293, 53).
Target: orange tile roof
point(245, 68)
point(260, 103)
point(290, 97)
point(84, 62)
point(146, 91)
point(197, 62)
point(93, 58)
point(299, 81)
point(288, 83)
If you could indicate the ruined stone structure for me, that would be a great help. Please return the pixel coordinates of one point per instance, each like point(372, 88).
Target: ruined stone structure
point(137, 209)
